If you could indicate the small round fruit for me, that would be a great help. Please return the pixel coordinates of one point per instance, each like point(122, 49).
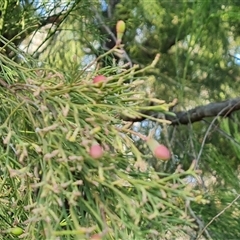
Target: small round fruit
point(96, 237)
point(99, 79)
point(162, 152)
point(120, 29)
point(158, 150)
point(17, 231)
point(96, 151)
point(120, 26)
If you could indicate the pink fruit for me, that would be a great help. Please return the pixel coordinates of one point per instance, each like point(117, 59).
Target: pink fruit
point(162, 152)
point(158, 150)
point(96, 237)
point(99, 79)
point(96, 151)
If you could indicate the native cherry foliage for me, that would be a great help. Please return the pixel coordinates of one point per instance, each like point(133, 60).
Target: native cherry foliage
point(67, 141)
point(79, 158)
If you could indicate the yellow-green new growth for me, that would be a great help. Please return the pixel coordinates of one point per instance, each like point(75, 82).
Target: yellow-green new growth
point(17, 231)
point(120, 29)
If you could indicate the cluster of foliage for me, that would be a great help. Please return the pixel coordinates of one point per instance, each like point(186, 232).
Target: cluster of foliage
point(55, 176)
point(52, 116)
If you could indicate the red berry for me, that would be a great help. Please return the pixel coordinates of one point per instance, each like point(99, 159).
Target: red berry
point(96, 151)
point(99, 79)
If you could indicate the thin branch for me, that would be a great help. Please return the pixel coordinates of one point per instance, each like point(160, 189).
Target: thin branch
point(206, 135)
point(199, 222)
point(53, 19)
point(226, 135)
point(220, 213)
point(224, 109)
point(108, 30)
point(9, 88)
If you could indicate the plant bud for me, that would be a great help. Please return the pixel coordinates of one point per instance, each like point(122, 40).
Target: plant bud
point(96, 151)
point(158, 150)
point(120, 29)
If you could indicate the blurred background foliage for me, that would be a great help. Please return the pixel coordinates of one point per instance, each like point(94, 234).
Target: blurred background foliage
point(199, 46)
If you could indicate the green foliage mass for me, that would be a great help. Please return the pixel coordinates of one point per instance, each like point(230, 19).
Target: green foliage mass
point(48, 123)
point(51, 114)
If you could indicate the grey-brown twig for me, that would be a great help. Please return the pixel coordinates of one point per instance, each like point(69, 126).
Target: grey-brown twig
point(224, 109)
